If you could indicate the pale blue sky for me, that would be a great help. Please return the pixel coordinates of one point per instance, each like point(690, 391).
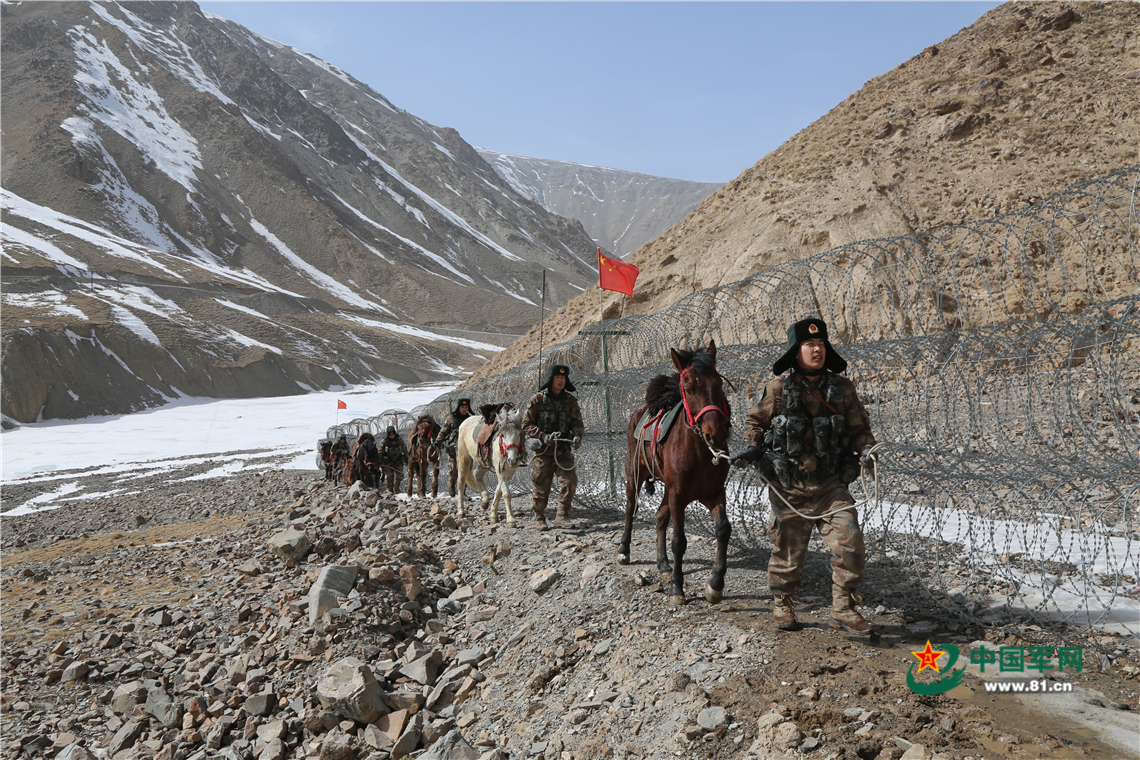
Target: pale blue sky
point(696, 91)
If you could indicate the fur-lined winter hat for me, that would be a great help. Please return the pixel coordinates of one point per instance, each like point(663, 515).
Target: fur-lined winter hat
point(808, 329)
point(558, 370)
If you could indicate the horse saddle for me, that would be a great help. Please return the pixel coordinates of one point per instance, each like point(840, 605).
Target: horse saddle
point(654, 428)
point(484, 441)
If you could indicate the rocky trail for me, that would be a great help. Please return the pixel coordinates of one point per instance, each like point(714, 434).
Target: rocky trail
point(269, 615)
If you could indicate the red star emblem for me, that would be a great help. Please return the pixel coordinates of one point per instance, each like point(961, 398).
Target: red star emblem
point(928, 658)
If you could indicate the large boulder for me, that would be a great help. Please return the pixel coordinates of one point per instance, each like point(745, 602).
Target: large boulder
point(451, 747)
point(334, 581)
point(349, 689)
point(290, 544)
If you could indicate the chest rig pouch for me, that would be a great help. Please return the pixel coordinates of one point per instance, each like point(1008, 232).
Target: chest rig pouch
point(806, 447)
point(555, 418)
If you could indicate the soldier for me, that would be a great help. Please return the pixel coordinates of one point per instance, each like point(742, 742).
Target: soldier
point(449, 439)
point(553, 423)
point(393, 455)
point(341, 454)
point(802, 434)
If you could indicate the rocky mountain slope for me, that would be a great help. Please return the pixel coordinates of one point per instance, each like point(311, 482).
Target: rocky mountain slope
point(1027, 100)
point(191, 208)
point(621, 210)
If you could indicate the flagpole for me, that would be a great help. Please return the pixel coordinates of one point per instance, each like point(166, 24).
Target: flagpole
point(541, 325)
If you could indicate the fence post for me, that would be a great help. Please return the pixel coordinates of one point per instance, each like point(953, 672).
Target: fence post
point(609, 421)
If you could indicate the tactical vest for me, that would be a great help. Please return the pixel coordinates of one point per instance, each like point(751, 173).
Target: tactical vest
point(555, 418)
point(797, 437)
point(452, 441)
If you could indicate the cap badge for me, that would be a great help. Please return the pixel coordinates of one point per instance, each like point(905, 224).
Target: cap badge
point(813, 328)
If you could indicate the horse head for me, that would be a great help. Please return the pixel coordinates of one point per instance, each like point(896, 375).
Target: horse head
point(509, 420)
point(702, 391)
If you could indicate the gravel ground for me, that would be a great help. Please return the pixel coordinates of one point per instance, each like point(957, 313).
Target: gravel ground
point(162, 623)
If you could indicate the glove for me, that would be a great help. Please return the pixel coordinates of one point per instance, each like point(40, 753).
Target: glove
point(534, 444)
point(867, 460)
point(577, 442)
point(746, 457)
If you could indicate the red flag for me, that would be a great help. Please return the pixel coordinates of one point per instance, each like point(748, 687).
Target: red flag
point(616, 275)
point(341, 405)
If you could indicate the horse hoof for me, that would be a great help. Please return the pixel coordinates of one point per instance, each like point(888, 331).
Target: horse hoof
point(677, 600)
point(712, 595)
point(510, 523)
point(623, 559)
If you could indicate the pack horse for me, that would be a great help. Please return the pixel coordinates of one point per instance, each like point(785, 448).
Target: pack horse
point(491, 442)
point(691, 461)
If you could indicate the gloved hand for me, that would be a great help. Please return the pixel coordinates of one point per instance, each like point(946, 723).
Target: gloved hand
point(545, 438)
point(746, 457)
point(577, 442)
point(867, 460)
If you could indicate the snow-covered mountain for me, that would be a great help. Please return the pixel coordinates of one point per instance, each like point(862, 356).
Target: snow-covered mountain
point(621, 210)
point(192, 208)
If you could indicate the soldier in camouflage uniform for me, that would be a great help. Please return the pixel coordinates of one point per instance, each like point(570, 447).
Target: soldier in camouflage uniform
point(803, 435)
point(393, 457)
point(449, 439)
point(553, 413)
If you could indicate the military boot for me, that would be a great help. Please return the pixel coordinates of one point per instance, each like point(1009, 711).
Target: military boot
point(784, 614)
point(540, 516)
point(563, 518)
point(843, 612)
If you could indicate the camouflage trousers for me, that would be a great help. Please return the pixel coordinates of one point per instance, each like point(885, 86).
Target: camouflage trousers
point(542, 471)
point(790, 533)
point(393, 475)
point(452, 472)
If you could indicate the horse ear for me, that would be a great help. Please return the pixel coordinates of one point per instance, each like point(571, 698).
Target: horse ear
point(711, 350)
point(678, 362)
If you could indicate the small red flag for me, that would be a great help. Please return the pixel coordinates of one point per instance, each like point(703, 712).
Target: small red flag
point(341, 405)
point(616, 275)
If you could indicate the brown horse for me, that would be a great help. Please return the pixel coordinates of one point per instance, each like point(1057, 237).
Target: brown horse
point(692, 462)
point(422, 451)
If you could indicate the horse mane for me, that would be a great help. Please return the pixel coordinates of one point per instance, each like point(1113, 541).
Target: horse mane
point(489, 412)
point(663, 392)
point(699, 360)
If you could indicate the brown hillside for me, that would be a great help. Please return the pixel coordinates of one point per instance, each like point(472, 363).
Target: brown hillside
point(1027, 100)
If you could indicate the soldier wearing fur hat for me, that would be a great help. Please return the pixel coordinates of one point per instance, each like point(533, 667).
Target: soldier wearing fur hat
point(554, 428)
point(803, 435)
point(449, 439)
point(393, 457)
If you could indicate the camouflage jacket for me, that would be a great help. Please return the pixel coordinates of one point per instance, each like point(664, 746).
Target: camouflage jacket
point(392, 450)
point(547, 413)
point(856, 433)
point(449, 434)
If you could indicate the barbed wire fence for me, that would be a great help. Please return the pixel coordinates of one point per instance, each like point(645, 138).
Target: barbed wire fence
point(1000, 365)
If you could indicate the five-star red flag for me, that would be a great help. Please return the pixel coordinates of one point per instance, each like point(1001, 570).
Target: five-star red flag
point(341, 405)
point(616, 275)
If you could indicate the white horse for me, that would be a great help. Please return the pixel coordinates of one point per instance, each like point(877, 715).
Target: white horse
point(506, 450)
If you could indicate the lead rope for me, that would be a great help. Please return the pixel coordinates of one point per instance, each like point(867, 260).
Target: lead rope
point(554, 441)
point(873, 499)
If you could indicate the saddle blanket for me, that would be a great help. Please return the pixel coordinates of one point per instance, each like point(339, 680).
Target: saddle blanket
point(655, 427)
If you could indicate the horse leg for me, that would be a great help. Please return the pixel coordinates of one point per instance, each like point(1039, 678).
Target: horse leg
point(505, 486)
point(663, 565)
point(677, 511)
point(714, 589)
point(423, 467)
point(495, 501)
point(435, 480)
point(484, 494)
point(632, 486)
point(463, 463)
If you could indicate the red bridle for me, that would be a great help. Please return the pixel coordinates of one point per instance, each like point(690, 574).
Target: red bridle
point(688, 414)
point(504, 448)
